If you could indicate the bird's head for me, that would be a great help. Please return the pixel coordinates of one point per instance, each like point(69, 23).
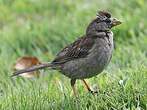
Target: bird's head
point(103, 22)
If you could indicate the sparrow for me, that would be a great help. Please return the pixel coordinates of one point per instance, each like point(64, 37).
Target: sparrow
point(86, 57)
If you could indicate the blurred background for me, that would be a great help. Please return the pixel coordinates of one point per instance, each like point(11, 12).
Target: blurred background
point(41, 28)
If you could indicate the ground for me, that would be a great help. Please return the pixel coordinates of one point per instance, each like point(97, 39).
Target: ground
point(41, 28)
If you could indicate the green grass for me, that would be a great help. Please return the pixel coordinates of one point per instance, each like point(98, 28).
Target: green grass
point(41, 28)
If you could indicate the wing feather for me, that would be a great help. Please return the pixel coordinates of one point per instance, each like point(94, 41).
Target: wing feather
point(78, 49)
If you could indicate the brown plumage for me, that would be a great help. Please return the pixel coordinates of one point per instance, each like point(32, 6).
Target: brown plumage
point(107, 14)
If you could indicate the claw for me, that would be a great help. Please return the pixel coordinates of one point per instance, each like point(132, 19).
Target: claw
point(77, 100)
point(93, 92)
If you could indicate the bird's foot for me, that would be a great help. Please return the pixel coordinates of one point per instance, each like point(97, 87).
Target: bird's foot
point(77, 100)
point(93, 92)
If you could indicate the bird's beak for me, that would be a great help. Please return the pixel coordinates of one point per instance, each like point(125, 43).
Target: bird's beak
point(116, 22)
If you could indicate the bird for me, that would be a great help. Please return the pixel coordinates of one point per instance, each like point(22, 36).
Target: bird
point(87, 56)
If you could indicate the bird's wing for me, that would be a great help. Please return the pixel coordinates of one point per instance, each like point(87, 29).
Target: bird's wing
point(78, 49)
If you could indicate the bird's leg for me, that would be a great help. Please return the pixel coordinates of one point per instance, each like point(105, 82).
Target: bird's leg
point(88, 87)
point(72, 85)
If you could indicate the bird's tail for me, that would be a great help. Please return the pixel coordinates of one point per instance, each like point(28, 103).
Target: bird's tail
point(37, 67)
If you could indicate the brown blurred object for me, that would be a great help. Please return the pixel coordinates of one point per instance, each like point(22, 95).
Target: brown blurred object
point(27, 62)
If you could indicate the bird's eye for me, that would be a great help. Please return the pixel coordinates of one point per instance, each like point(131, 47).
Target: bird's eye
point(108, 20)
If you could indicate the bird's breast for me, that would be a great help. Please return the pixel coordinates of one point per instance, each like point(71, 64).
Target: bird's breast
point(98, 58)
